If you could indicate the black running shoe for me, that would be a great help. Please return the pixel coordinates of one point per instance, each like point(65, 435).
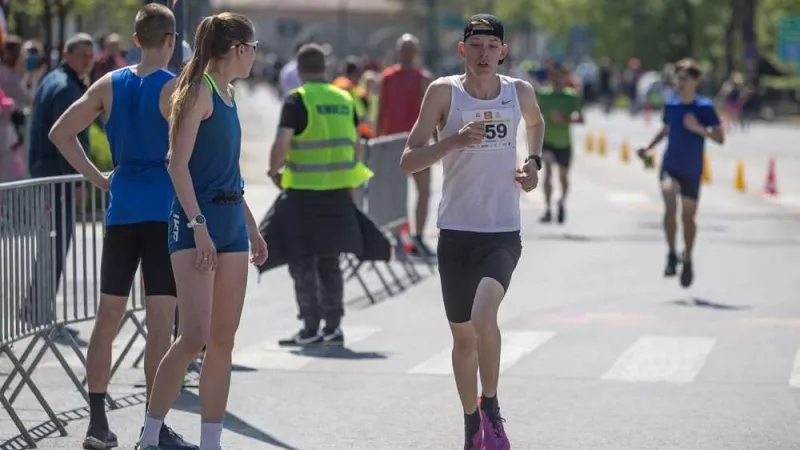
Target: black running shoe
point(168, 439)
point(420, 249)
point(99, 438)
point(562, 213)
point(302, 338)
point(687, 275)
point(672, 265)
point(333, 338)
point(547, 217)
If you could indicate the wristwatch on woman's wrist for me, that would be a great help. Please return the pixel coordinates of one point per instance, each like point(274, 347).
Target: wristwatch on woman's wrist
point(198, 221)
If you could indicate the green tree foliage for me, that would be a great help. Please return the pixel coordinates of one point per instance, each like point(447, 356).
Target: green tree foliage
point(655, 31)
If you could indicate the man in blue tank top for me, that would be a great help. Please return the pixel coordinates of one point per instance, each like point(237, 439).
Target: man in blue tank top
point(135, 100)
point(689, 119)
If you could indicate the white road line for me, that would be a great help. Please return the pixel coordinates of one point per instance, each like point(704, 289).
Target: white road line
point(662, 359)
point(268, 355)
point(516, 345)
point(794, 380)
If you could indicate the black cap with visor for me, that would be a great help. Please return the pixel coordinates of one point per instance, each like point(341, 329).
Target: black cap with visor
point(495, 28)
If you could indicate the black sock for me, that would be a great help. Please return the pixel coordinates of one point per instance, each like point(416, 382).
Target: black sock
point(471, 424)
point(97, 410)
point(488, 403)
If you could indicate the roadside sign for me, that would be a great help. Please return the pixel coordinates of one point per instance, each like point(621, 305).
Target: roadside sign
point(789, 38)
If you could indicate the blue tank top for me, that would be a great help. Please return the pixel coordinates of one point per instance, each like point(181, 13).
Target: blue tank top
point(141, 189)
point(214, 164)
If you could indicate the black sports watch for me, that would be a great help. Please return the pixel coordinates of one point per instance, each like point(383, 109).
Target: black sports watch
point(537, 159)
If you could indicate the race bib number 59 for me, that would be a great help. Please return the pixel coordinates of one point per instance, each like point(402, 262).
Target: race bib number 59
point(499, 126)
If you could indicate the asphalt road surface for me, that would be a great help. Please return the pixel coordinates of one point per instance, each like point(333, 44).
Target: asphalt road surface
point(600, 351)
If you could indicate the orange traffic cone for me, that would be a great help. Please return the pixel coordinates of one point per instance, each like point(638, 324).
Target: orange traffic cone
point(771, 188)
point(740, 182)
point(405, 238)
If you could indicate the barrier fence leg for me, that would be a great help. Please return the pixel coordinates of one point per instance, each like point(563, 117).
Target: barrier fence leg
point(355, 268)
point(138, 360)
point(22, 359)
point(26, 379)
point(383, 280)
point(401, 256)
point(392, 274)
point(48, 338)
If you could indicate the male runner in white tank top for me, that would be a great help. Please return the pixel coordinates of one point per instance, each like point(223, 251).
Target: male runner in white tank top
point(476, 115)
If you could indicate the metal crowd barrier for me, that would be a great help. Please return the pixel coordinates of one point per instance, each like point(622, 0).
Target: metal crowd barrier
point(51, 233)
point(384, 198)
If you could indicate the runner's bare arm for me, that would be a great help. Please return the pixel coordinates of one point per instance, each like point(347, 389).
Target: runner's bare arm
point(427, 79)
point(181, 152)
point(165, 99)
point(716, 134)
point(418, 155)
point(75, 119)
point(662, 133)
point(534, 122)
point(277, 157)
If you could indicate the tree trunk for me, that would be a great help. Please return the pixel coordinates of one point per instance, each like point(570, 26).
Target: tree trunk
point(688, 15)
point(734, 22)
point(47, 19)
point(751, 53)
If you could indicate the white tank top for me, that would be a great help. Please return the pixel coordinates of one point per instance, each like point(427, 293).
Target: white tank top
point(479, 192)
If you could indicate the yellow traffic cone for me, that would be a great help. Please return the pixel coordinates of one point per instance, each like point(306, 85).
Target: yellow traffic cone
point(740, 183)
point(589, 142)
point(601, 147)
point(625, 152)
point(706, 169)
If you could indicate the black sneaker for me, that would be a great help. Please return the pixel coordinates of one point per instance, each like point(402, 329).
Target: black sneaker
point(562, 213)
point(420, 249)
point(547, 217)
point(168, 439)
point(687, 275)
point(99, 438)
point(672, 265)
point(335, 337)
point(302, 338)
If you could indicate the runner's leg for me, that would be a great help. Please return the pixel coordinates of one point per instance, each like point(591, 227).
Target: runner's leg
point(669, 191)
point(230, 285)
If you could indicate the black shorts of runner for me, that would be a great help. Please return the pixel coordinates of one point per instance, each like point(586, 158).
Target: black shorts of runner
point(690, 186)
point(124, 246)
point(562, 155)
point(465, 258)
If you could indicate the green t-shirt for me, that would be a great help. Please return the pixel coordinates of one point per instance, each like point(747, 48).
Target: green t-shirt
point(566, 102)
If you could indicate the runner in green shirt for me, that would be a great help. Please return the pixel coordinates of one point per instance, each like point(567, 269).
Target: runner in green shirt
point(561, 107)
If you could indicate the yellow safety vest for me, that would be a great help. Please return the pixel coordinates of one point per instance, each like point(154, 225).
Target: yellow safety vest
point(322, 157)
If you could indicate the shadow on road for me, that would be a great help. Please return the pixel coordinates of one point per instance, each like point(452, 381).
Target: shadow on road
point(759, 242)
point(337, 353)
point(701, 303)
point(48, 429)
point(573, 237)
point(190, 402)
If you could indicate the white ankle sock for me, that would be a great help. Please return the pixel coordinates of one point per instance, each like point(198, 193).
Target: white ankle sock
point(152, 428)
point(210, 434)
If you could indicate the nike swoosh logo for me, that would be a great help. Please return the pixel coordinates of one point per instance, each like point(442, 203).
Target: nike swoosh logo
point(505, 101)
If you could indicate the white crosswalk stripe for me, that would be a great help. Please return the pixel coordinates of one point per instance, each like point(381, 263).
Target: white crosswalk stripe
point(268, 355)
point(516, 345)
point(662, 358)
point(794, 379)
point(635, 359)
